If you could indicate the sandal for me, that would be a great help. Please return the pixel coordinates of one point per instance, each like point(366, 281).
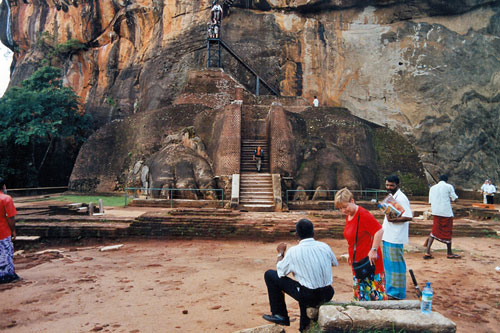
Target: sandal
point(428, 256)
point(453, 256)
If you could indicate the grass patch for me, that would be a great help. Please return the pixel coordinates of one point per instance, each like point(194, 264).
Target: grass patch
point(106, 201)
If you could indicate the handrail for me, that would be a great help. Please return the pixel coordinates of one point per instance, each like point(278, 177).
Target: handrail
point(171, 190)
point(38, 188)
point(335, 191)
point(259, 78)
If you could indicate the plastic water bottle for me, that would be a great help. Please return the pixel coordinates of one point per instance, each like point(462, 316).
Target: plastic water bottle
point(426, 303)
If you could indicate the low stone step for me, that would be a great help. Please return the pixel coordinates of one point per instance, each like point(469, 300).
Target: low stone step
point(253, 196)
point(257, 189)
point(256, 202)
point(259, 208)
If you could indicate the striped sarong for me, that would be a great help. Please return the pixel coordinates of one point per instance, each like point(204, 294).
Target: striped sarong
point(395, 270)
point(7, 273)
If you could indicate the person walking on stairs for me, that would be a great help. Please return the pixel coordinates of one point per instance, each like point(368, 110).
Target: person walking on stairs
point(258, 155)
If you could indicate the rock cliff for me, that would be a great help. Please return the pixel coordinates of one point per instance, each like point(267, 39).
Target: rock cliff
point(427, 69)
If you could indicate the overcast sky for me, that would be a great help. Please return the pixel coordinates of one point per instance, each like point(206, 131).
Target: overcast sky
point(5, 61)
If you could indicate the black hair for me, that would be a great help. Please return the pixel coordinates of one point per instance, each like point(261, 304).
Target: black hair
point(2, 183)
point(392, 179)
point(443, 178)
point(305, 229)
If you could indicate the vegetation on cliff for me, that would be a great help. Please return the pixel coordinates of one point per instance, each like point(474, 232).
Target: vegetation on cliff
point(36, 118)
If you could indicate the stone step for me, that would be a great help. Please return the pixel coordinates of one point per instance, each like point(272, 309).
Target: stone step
point(257, 189)
point(256, 182)
point(256, 201)
point(253, 195)
point(258, 208)
point(252, 163)
point(257, 194)
point(249, 177)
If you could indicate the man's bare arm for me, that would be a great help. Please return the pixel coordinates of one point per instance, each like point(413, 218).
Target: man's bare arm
point(11, 221)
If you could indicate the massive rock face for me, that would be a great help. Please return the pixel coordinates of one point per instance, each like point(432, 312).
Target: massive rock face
point(428, 69)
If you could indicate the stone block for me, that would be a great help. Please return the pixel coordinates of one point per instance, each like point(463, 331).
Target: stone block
point(334, 318)
point(235, 191)
point(271, 328)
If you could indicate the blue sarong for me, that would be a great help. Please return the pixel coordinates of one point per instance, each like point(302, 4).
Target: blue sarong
point(395, 270)
point(7, 273)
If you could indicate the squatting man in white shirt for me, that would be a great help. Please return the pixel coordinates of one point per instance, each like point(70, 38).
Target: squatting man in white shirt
point(311, 264)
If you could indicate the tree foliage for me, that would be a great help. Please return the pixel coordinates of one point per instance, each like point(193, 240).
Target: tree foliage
point(33, 117)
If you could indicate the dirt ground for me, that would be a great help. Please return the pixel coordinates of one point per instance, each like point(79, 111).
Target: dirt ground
point(214, 286)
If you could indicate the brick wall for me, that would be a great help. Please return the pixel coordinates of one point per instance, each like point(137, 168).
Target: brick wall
point(281, 142)
point(227, 155)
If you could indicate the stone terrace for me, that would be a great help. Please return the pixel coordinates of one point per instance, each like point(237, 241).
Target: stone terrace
point(34, 220)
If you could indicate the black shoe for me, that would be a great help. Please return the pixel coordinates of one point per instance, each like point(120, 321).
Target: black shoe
point(277, 319)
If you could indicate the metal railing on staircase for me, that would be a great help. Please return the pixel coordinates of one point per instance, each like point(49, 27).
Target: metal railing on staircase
point(258, 78)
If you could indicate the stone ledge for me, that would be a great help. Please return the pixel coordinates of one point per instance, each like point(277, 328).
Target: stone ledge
point(333, 318)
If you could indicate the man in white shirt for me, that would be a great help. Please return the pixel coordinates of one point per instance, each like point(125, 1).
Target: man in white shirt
point(440, 197)
point(310, 262)
point(489, 192)
point(483, 190)
point(393, 240)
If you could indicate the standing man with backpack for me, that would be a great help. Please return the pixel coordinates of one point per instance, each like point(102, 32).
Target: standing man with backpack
point(258, 154)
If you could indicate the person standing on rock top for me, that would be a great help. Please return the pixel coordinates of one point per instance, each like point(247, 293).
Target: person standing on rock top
point(7, 235)
point(316, 102)
point(393, 240)
point(311, 263)
point(216, 12)
point(440, 197)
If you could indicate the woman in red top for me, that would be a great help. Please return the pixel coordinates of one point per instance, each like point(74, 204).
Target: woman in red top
point(370, 233)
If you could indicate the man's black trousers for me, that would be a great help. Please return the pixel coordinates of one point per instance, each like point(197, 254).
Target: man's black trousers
point(490, 199)
point(305, 296)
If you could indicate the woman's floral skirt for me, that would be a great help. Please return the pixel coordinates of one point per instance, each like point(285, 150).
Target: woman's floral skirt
point(370, 289)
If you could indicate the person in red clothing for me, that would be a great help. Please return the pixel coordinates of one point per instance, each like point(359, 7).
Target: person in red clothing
point(7, 235)
point(371, 288)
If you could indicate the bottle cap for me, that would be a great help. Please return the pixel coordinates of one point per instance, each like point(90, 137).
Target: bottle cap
point(428, 284)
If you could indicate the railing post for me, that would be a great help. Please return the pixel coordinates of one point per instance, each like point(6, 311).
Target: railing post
point(287, 197)
point(257, 88)
point(218, 44)
point(125, 198)
point(222, 198)
point(171, 199)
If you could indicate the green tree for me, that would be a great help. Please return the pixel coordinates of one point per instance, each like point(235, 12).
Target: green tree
point(33, 117)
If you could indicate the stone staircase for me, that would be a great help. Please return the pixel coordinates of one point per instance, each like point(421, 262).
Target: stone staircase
point(248, 146)
point(256, 192)
point(256, 188)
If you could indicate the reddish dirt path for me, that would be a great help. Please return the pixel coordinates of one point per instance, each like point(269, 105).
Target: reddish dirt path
point(216, 286)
